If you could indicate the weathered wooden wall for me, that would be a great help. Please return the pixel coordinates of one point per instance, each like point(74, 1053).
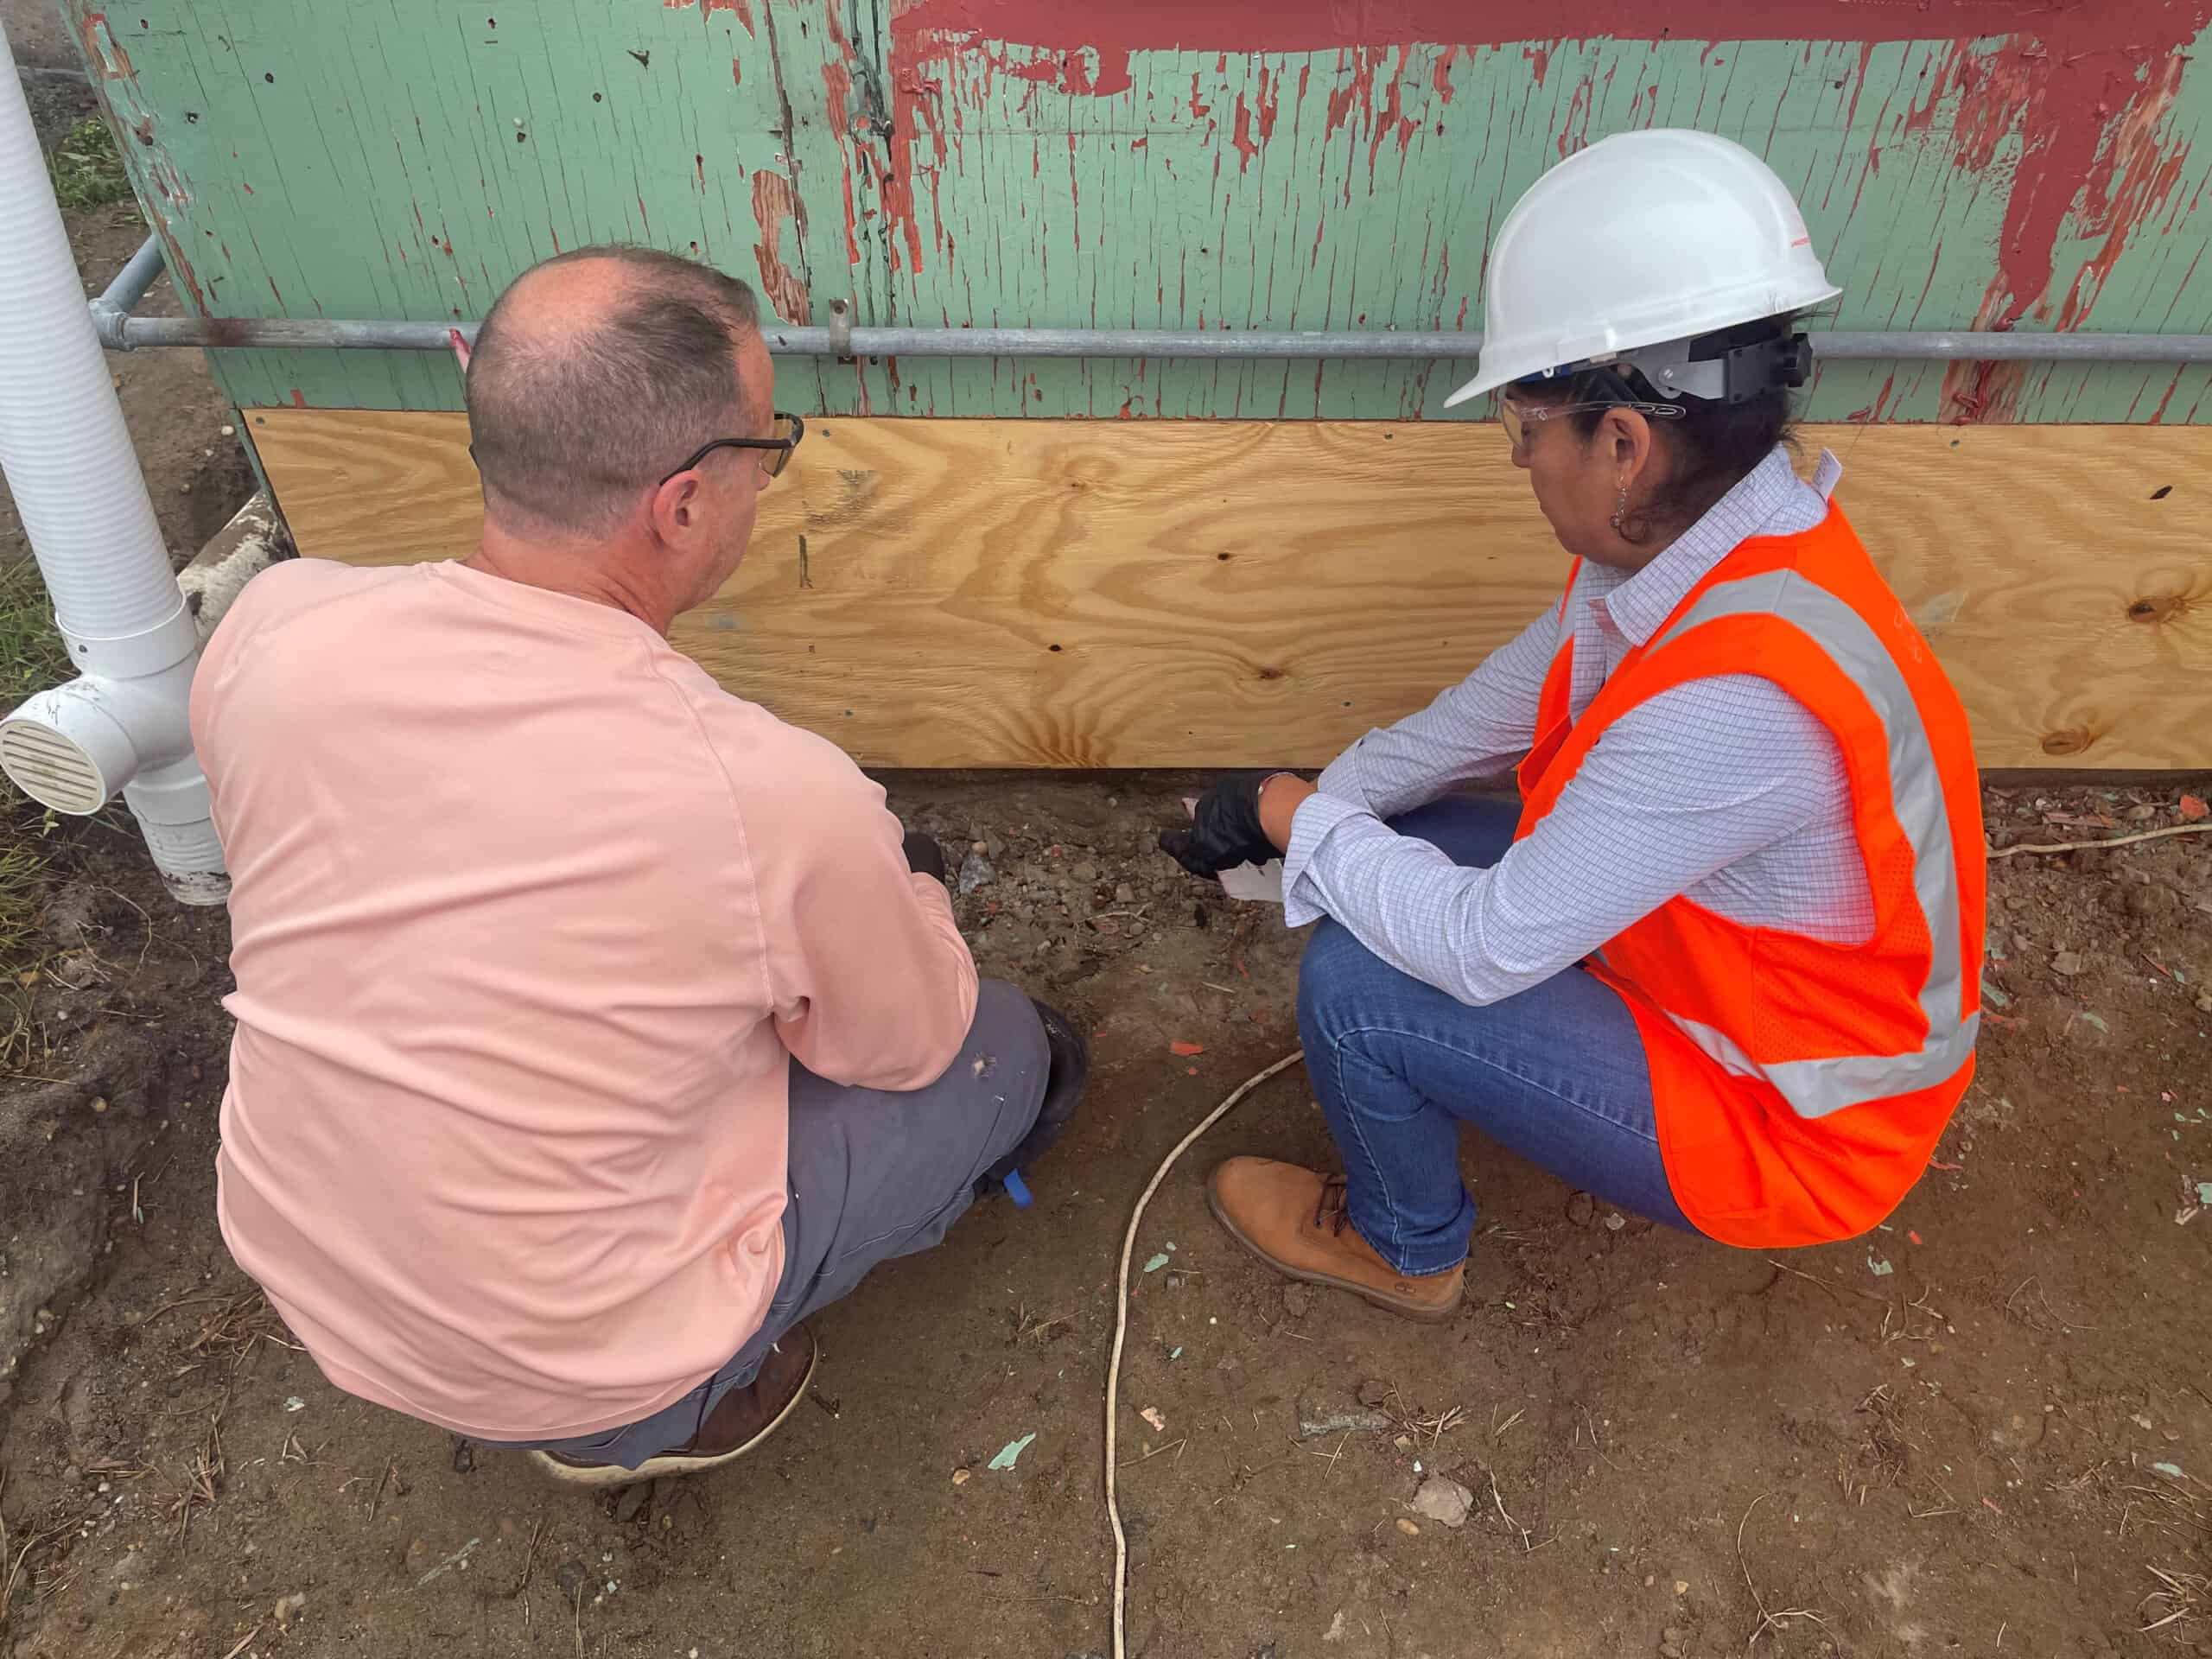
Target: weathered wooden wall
point(1285, 163)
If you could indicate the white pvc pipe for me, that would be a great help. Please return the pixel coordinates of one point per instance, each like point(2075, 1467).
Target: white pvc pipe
point(121, 726)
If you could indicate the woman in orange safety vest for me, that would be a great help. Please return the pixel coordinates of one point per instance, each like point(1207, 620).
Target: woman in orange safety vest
point(1720, 962)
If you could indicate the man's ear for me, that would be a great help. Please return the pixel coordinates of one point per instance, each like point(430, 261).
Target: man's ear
point(675, 507)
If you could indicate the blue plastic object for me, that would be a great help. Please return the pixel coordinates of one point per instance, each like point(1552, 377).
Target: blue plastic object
point(1017, 1189)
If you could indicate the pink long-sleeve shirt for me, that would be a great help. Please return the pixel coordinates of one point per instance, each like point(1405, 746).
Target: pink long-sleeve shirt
point(529, 919)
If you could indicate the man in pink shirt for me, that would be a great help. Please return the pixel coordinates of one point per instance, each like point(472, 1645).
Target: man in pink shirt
point(595, 1027)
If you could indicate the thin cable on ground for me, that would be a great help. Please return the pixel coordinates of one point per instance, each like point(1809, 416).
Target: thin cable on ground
point(2110, 841)
point(1121, 1327)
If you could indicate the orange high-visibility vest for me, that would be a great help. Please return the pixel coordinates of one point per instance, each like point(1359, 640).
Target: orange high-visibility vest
point(1799, 1085)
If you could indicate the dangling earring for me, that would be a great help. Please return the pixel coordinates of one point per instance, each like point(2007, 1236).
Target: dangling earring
point(1620, 508)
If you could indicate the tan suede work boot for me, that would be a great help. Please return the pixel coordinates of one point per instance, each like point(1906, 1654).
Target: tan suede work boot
point(1293, 1220)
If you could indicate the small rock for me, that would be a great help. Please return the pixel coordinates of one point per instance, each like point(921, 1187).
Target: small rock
point(1408, 1528)
point(1372, 1392)
point(570, 1575)
point(2069, 963)
point(2204, 1002)
point(1674, 1635)
point(1125, 894)
point(633, 1502)
point(290, 1607)
point(229, 431)
point(2142, 814)
point(1671, 1651)
point(464, 1456)
point(976, 871)
point(1335, 1632)
point(1442, 1498)
point(1296, 1299)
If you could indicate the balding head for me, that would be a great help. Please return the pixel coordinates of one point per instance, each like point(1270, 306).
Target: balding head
point(596, 373)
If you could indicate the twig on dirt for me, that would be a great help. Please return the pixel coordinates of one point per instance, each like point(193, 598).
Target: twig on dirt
point(239, 1646)
point(2057, 1319)
point(1498, 1433)
point(528, 1567)
point(2110, 841)
point(1511, 1524)
point(146, 940)
point(459, 1558)
point(2185, 1596)
point(390, 1469)
point(1330, 1458)
point(1172, 1446)
point(170, 1308)
point(1417, 1425)
point(199, 1480)
point(1594, 1440)
point(1795, 1274)
point(1768, 1618)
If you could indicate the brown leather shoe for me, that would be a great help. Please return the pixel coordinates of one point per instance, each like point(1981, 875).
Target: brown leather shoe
point(1293, 1220)
point(741, 1419)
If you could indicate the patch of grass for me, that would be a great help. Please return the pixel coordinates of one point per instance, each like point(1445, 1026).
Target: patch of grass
point(86, 170)
point(32, 656)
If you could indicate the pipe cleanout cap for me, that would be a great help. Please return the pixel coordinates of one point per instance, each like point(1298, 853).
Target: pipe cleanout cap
point(65, 751)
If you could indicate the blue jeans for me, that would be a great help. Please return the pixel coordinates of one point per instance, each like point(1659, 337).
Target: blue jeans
point(1556, 1073)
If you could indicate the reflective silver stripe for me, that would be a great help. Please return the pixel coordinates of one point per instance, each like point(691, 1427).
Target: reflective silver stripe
point(1815, 1088)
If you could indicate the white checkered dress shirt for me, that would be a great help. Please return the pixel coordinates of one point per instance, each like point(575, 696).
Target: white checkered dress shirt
point(1726, 789)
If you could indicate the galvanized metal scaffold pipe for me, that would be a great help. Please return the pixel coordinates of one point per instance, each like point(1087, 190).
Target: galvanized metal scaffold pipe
point(121, 330)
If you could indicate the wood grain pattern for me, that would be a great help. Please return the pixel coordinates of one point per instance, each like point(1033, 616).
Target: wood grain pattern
point(1073, 593)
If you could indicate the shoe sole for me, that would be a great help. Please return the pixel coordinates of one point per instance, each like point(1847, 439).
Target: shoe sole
point(669, 1463)
point(1424, 1312)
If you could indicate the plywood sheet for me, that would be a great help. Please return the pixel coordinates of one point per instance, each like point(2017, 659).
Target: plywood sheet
point(1148, 594)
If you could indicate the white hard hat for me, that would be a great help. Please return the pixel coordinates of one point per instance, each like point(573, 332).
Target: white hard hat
point(1644, 239)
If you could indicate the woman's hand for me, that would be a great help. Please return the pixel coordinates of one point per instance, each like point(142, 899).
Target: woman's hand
point(1228, 827)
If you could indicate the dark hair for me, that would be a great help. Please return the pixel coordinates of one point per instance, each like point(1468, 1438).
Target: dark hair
point(1712, 444)
point(569, 418)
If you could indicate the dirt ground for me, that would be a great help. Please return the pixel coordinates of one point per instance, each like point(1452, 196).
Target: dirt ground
point(1982, 1430)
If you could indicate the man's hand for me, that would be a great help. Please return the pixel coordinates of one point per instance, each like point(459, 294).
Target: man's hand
point(925, 856)
point(1226, 828)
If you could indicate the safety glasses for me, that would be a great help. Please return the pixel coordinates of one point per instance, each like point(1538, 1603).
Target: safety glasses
point(776, 452)
point(1521, 420)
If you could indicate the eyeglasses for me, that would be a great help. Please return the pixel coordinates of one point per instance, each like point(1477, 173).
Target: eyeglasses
point(1517, 418)
point(776, 451)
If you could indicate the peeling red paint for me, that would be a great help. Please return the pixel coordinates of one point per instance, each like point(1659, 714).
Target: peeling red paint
point(299, 398)
point(773, 203)
point(2133, 179)
point(1247, 146)
point(2061, 86)
point(103, 48)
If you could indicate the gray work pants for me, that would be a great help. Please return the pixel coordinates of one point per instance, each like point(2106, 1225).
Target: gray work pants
point(872, 1176)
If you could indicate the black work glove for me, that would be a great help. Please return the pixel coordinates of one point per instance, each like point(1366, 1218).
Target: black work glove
point(925, 856)
point(1224, 830)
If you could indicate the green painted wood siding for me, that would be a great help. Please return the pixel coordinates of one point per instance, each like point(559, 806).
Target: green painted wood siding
point(1124, 167)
